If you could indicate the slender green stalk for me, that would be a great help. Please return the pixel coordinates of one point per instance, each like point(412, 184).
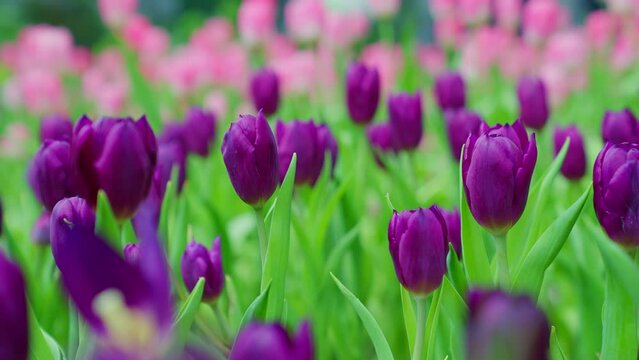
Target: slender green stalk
point(418, 349)
point(221, 319)
point(261, 233)
point(503, 274)
point(74, 330)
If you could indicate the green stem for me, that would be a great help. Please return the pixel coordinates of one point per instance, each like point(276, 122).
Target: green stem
point(261, 233)
point(418, 349)
point(619, 340)
point(221, 319)
point(503, 274)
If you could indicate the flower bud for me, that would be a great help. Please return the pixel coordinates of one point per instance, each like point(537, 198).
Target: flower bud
point(250, 156)
point(533, 103)
point(450, 91)
point(272, 342)
point(362, 92)
point(14, 332)
point(453, 229)
point(40, 233)
point(505, 326)
point(199, 262)
point(199, 131)
point(574, 166)
point(405, 116)
point(265, 91)
point(459, 125)
point(417, 241)
point(497, 167)
point(131, 253)
point(382, 140)
point(56, 127)
point(620, 126)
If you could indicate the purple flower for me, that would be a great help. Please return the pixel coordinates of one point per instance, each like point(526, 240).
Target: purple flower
point(533, 103)
point(453, 229)
point(199, 262)
point(460, 124)
point(418, 244)
point(56, 127)
point(505, 326)
point(450, 91)
point(620, 126)
point(272, 342)
point(616, 191)
point(118, 156)
point(265, 91)
point(131, 253)
point(250, 156)
point(362, 92)
point(574, 166)
point(199, 131)
point(40, 233)
point(14, 332)
point(406, 119)
point(497, 167)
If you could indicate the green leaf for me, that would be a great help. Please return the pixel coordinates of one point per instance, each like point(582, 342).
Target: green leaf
point(409, 316)
point(382, 349)
point(619, 338)
point(165, 212)
point(186, 315)
point(456, 270)
point(257, 307)
point(106, 224)
point(431, 325)
point(41, 346)
point(128, 233)
point(177, 233)
point(530, 274)
point(329, 209)
point(555, 346)
point(340, 248)
point(277, 250)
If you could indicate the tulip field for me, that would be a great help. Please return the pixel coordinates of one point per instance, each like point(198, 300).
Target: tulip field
point(315, 179)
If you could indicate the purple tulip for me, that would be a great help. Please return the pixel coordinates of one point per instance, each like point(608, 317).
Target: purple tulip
point(533, 103)
point(616, 190)
point(199, 262)
point(14, 332)
point(199, 131)
point(362, 92)
point(497, 167)
point(406, 119)
point(382, 139)
point(250, 155)
point(417, 240)
point(574, 166)
point(272, 342)
point(117, 156)
point(265, 91)
point(620, 126)
point(40, 233)
point(450, 91)
point(453, 229)
point(56, 127)
point(310, 142)
point(505, 326)
point(460, 124)
point(131, 253)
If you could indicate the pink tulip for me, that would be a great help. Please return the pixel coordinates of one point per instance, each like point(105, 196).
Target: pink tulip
point(449, 32)
point(279, 46)
point(14, 141)
point(388, 61)
point(304, 19)
point(147, 40)
point(214, 34)
point(41, 91)
point(507, 13)
point(568, 49)
point(256, 20)
point(542, 18)
point(520, 60)
point(81, 59)
point(442, 9)
point(474, 12)
point(186, 70)
point(297, 73)
point(106, 83)
point(384, 8)
point(624, 53)
point(46, 47)
point(602, 28)
point(216, 102)
point(432, 59)
point(557, 86)
point(230, 67)
point(116, 13)
point(484, 49)
point(344, 29)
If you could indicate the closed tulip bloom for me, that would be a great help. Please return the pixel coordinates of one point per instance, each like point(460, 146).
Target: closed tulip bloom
point(460, 124)
point(382, 139)
point(574, 166)
point(131, 253)
point(616, 190)
point(362, 92)
point(250, 156)
point(200, 262)
point(405, 116)
point(533, 102)
point(118, 156)
point(56, 127)
point(450, 91)
point(497, 167)
point(620, 126)
point(14, 332)
point(199, 131)
point(505, 326)
point(453, 229)
point(417, 240)
point(40, 233)
point(265, 91)
point(272, 342)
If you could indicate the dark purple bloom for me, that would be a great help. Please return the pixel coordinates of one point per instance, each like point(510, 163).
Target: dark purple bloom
point(382, 138)
point(616, 191)
point(505, 326)
point(418, 244)
point(406, 119)
point(40, 233)
point(460, 124)
point(272, 342)
point(453, 229)
point(14, 332)
point(620, 126)
point(362, 92)
point(310, 142)
point(131, 253)
point(450, 91)
point(250, 155)
point(199, 131)
point(117, 156)
point(533, 103)
point(56, 127)
point(265, 91)
point(574, 166)
point(199, 262)
point(497, 167)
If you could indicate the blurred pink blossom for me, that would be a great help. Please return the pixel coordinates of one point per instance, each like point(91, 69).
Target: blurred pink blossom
point(622, 6)
point(145, 38)
point(449, 32)
point(116, 13)
point(602, 28)
point(555, 80)
point(520, 60)
point(81, 59)
point(45, 47)
point(230, 67)
point(474, 12)
point(384, 8)
point(41, 91)
point(213, 35)
point(256, 20)
point(12, 144)
point(344, 29)
point(624, 53)
point(484, 49)
point(507, 13)
point(297, 72)
point(326, 70)
point(106, 83)
point(432, 59)
point(388, 61)
point(279, 46)
point(542, 18)
point(568, 49)
point(304, 19)
point(216, 102)
point(441, 9)
point(186, 69)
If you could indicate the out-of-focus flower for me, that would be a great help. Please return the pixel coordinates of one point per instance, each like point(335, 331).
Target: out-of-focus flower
point(485, 49)
point(520, 61)
point(272, 342)
point(265, 91)
point(304, 19)
point(213, 35)
point(279, 47)
point(533, 104)
point(131, 253)
point(115, 13)
point(362, 92)
point(40, 232)
point(199, 262)
point(146, 39)
point(382, 139)
point(56, 127)
point(39, 91)
point(230, 67)
point(12, 144)
point(625, 51)
point(256, 20)
point(442, 8)
point(507, 13)
point(620, 126)
point(384, 8)
point(449, 32)
point(450, 91)
point(432, 59)
point(387, 59)
point(14, 333)
point(602, 28)
point(542, 18)
point(406, 119)
point(341, 30)
point(474, 12)
point(107, 83)
point(621, 6)
point(199, 131)
point(574, 165)
point(460, 124)
point(44, 47)
point(186, 70)
point(216, 102)
point(297, 72)
point(453, 229)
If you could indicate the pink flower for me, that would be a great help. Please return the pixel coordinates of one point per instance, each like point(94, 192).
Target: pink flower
point(624, 53)
point(186, 70)
point(106, 83)
point(230, 67)
point(304, 19)
point(449, 32)
point(384, 8)
point(432, 59)
point(115, 13)
point(144, 38)
point(484, 49)
point(81, 59)
point(602, 28)
point(41, 91)
point(45, 46)
point(542, 18)
point(297, 72)
point(344, 29)
point(216, 102)
point(622, 6)
point(520, 60)
point(14, 141)
point(567, 49)
point(216, 33)
point(256, 20)
point(474, 11)
point(388, 61)
point(507, 13)
point(441, 9)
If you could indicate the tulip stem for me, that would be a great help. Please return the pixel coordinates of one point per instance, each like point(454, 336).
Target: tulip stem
point(503, 274)
point(261, 233)
point(222, 320)
point(418, 349)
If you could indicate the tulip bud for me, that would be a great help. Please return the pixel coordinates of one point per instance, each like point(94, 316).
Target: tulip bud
point(272, 342)
point(497, 167)
point(14, 332)
point(199, 131)
point(40, 234)
point(250, 156)
point(405, 113)
point(450, 91)
point(459, 125)
point(117, 156)
point(198, 262)
point(453, 229)
point(616, 188)
point(56, 128)
point(505, 326)
point(131, 253)
point(265, 91)
point(382, 140)
point(533, 103)
point(362, 92)
point(574, 166)
point(417, 241)
point(620, 126)
point(309, 143)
